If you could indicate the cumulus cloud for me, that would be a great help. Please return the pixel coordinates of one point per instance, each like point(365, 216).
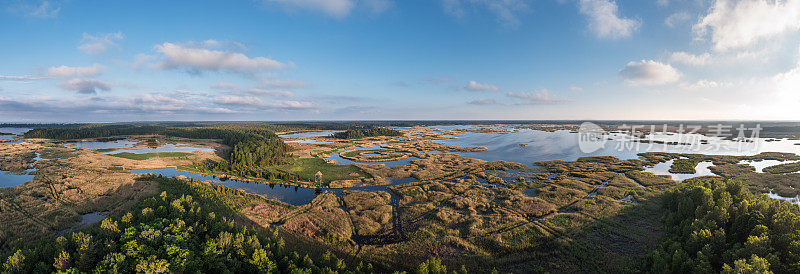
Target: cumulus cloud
point(541, 97)
point(484, 101)
point(85, 86)
point(689, 59)
point(605, 21)
point(65, 71)
point(506, 11)
point(475, 86)
point(96, 45)
point(648, 73)
point(196, 60)
point(740, 24)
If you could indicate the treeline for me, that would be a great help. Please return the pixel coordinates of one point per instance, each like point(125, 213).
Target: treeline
point(189, 228)
point(719, 226)
point(254, 150)
point(186, 229)
point(367, 132)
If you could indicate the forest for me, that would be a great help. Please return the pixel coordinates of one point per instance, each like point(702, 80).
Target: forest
point(717, 225)
point(254, 150)
point(189, 227)
point(364, 133)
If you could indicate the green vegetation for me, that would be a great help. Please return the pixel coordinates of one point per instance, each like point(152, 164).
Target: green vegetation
point(380, 155)
point(684, 166)
point(783, 168)
point(305, 168)
point(363, 133)
point(188, 228)
point(717, 225)
point(101, 150)
point(145, 156)
point(254, 149)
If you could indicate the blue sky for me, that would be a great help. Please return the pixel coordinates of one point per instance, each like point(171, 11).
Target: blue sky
point(100, 61)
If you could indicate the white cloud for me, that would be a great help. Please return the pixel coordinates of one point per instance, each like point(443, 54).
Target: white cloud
point(270, 92)
point(284, 83)
point(541, 97)
point(705, 84)
point(740, 24)
point(65, 71)
point(23, 78)
point(677, 18)
point(648, 73)
point(485, 101)
point(85, 86)
point(506, 11)
point(575, 88)
point(96, 45)
point(249, 101)
point(605, 21)
point(475, 86)
point(196, 60)
point(239, 101)
point(690, 59)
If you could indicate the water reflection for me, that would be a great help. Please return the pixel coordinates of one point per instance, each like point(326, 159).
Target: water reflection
point(307, 134)
point(288, 194)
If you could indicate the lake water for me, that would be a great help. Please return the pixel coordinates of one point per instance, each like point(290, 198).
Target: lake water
point(16, 131)
point(288, 194)
point(307, 134)
point(309, 141)
point(563, 145)
point(91, 218)
point(9, 179)
point(164, 148)
point(103, 145)
point(760, 165)
point(663, 169)
point(343, 161)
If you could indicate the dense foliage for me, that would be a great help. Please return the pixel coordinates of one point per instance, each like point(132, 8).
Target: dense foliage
point(719, 226)
point(254, 149)
point(188, 228)
point(369, 132)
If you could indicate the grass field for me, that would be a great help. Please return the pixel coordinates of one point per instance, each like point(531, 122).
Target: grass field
point(145, 156)
point(307, 167)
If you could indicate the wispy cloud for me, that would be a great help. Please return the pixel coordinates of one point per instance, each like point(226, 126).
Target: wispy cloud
point(475, 86)
point(65, 71)
point(506, 11)
point(542, 97)
point(97, 45)
point(484, 101)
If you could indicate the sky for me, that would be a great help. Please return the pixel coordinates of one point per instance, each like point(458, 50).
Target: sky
point(291, 60)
